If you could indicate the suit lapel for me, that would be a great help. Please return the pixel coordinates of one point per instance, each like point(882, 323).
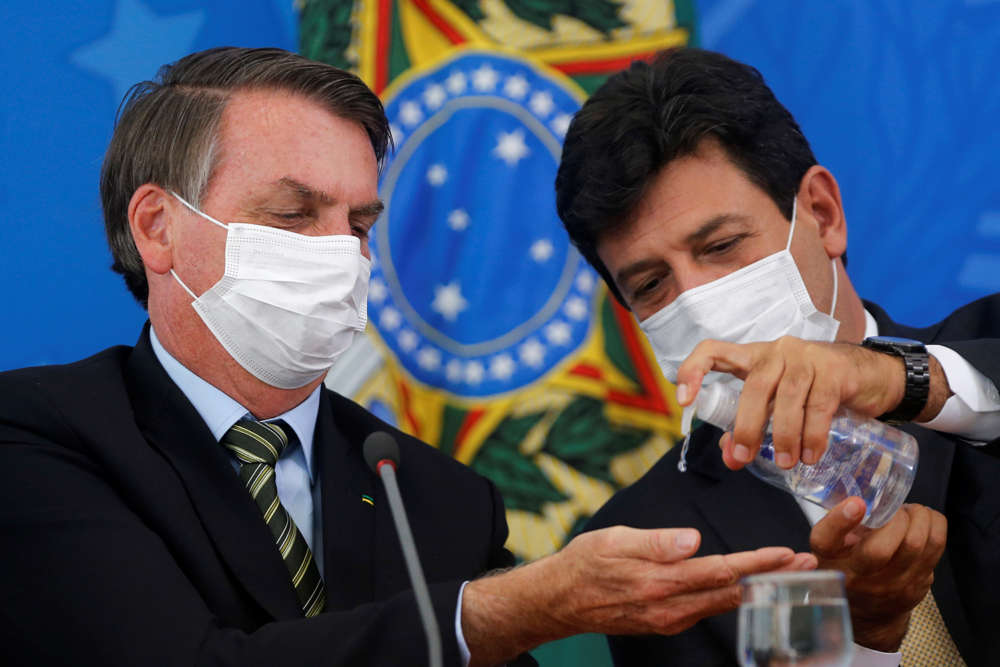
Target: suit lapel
point(233, 522)
point(348, 518)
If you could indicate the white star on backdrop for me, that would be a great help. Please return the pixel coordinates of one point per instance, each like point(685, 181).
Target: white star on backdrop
point(541, 250)
point(138, 42)
point(455, 83)
point(511, 147)
point(458, 219)
point(437, 175)
point(515, 87)
point(502, 367)
point(453, 370)
point(557, 333)
point(448, 300)
point(485, 79)
point(434, 96)
point(474, 372)
point(585, 282)
point(407, 340)
point(561, 123)
point(541, 103)
point(576, 308)
point(390, 319)
point(410, 113)
point(428, 358)
point(532, 352)
point(377, 290)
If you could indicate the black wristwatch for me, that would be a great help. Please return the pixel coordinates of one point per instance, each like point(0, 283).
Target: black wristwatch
point(918, 375)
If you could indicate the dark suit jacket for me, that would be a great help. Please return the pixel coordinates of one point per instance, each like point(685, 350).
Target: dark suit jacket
point(128, 540)
point(735, 512)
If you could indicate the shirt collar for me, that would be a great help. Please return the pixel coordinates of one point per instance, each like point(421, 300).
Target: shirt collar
point(220, 411)
point(871, 326)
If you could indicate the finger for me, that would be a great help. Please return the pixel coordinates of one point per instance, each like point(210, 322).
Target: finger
point(802, 561)
point(718, 571)
point(680, 612)
point(937, 538)
point(878, 547)
point(711, 355)
point(829, 537)
point(789, 406)
point(914, 544)
point(820, 407)
point(753, 411)
point(663, 545)
point(726, 443)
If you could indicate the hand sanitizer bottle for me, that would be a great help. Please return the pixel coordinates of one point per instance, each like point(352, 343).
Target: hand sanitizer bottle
point(864, 457)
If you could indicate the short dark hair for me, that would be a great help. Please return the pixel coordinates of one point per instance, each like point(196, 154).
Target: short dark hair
point(650, 114)
point(167, 129)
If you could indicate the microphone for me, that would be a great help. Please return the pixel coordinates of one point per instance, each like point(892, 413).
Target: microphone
point(382, 455)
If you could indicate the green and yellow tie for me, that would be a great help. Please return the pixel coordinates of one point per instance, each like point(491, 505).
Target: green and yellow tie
point(258, 445)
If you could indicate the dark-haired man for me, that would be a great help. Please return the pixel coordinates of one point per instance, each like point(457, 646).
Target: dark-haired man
point(694, 193)
point(200, 498)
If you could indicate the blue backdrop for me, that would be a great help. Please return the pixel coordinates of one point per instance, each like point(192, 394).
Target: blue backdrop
point(898, 97)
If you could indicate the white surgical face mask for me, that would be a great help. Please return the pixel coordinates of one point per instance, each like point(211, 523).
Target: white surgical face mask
point(288, 304)
point(762, 301)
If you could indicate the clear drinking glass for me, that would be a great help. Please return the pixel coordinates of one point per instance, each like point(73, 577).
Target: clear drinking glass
point(795, 618)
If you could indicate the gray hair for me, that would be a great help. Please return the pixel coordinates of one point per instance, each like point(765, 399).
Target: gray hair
point(167, 130)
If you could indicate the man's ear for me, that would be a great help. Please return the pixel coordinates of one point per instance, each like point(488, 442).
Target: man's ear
point(149, 214)
point(819, 196)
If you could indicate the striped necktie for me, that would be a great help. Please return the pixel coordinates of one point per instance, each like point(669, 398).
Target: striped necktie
point(258, 445)
point(927, 642)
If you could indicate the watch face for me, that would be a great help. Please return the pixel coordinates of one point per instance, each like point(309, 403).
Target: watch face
point(899, 343)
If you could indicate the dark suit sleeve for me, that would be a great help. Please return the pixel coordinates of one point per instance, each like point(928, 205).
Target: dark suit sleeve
point(86, 581)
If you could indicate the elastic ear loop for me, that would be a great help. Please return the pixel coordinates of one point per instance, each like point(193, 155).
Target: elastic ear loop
point(833, 262)
point(207, 217)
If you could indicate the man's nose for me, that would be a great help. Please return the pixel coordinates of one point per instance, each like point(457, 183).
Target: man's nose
point(690, 275)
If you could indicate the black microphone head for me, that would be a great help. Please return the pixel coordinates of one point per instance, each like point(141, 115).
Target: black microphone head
point(380, 446)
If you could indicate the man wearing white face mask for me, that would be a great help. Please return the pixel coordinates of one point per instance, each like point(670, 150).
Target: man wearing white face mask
point(693, 192)
point(201, 498)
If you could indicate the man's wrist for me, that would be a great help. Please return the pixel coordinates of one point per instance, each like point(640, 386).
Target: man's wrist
point(916, 376)
point(506, 614)
point(940, 392)
point(881, 635)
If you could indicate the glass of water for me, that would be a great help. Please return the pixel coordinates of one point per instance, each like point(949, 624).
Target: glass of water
point(795, 618)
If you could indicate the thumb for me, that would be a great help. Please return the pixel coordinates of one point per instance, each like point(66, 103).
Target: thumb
point(663, 545)
point(831, 537)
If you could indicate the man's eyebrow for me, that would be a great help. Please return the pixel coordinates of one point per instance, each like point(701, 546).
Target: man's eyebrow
point(713, 224)
point(368, 209)
point(306, 192)
point(372, 209)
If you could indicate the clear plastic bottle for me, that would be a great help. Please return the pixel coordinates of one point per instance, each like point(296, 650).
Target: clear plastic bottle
point(864, 457)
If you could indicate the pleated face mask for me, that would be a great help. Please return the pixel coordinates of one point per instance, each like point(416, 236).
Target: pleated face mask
point(288, 304)
point(761, 302)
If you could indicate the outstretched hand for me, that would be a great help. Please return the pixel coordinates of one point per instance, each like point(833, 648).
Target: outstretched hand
point(613, 581)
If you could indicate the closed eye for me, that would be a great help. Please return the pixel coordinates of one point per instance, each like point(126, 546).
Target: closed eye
point(724, 246)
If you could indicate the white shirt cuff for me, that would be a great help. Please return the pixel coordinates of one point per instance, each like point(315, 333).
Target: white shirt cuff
point(463, 648)
point(973, 412)
point(868, 657)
